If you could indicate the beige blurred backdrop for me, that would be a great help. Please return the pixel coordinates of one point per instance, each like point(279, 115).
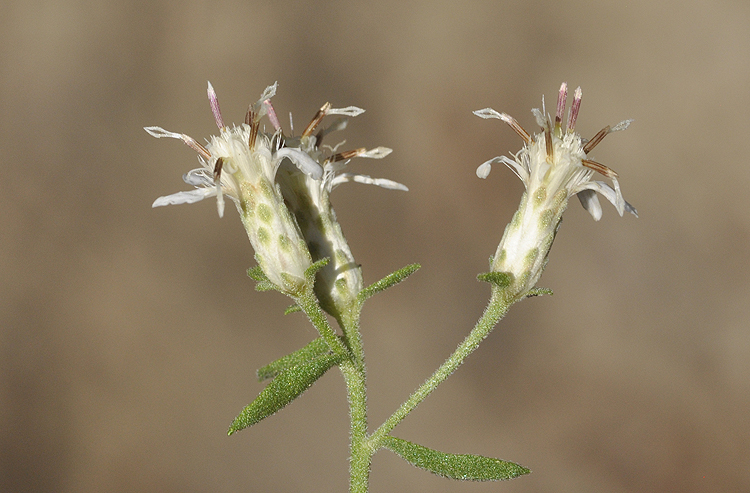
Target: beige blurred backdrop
point(130, 335)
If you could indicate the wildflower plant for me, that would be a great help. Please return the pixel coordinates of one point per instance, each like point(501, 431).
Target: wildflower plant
point(281, 185)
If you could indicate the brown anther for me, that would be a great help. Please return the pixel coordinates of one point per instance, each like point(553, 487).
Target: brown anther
point(322, 112)
point(217, 169)
point(596, 139)
point(197, 147)
point(254, 126)
point(599, 168)
point(343, 156)
point(513, 123)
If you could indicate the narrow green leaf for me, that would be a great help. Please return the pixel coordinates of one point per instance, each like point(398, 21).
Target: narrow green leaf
point(256, 274)
point(538, 292)
point(500, 279)
point(292, 309)
point(387, 282)
point(314, 268)
point(287, 386)
point(263, 284)
point(303, 356)
point(464, 467)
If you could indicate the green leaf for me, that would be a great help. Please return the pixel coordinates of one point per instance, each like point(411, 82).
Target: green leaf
point(256, 274)
point(500, 279)
point(538, 292)
point(303, 356)
point(292, 309)
point(314, 268)
point(454, 466)
point(387, 282)
point(263, 284)
point(287, 386)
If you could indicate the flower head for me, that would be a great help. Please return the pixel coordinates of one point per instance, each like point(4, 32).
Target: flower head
point(557, 159)
point(339, 282)
point(553, 165)
point(241, 163)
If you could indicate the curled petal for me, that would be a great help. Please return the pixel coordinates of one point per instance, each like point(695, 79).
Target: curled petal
point(198, 177)
point(483, 171)
point(301, 159)
point(612, 195)
point(367, 180)
point(189, 197)
point(159, 132)
point(590, 202)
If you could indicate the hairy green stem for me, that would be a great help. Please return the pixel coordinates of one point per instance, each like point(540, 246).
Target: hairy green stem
point(353, 369)
point(360, 451)
point(496, 309)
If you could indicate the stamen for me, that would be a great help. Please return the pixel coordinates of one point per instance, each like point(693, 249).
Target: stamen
point(252, 120)
point(217, 169)
point(322, 112)
point(342, 156)
point(573, 113)
point(596, 139)
point(562, 98)
point(599, 168)
point(213, 100)
point(272, 115)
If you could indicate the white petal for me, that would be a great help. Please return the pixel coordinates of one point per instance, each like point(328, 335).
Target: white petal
point(483, 171)
point(302, 160)
point(590, 202)
point(367, 180)
point(377, 153)
point(348, 111)
point(159, 132)
point(189, 197)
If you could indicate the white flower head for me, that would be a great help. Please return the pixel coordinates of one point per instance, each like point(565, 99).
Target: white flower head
point(308, 198)
point(558, 159)
point(553, 165)
point(241, 163)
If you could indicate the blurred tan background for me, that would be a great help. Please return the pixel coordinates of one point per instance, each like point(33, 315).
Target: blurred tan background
point(130, 336)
